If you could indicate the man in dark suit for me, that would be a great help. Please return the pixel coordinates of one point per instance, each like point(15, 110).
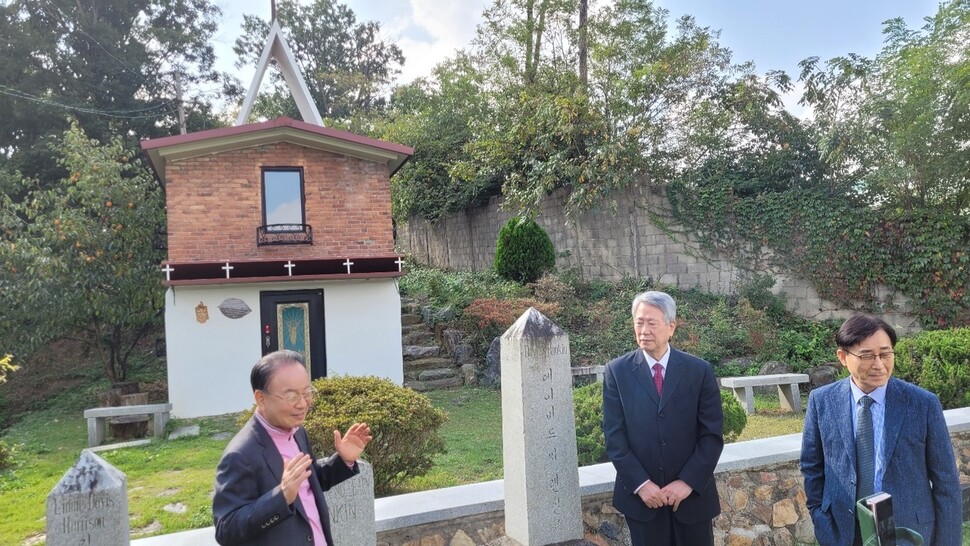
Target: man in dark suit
point(910, 453)
point(663, 425)
point(269, 487)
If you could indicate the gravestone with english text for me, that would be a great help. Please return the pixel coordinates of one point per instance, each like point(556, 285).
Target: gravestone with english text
point(89, 506)
point(351, 503)
point(542, 500)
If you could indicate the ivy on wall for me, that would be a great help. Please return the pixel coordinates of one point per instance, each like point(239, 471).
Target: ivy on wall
point(844, 246)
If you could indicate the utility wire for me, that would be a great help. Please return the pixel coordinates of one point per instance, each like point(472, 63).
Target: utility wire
point(121, 114)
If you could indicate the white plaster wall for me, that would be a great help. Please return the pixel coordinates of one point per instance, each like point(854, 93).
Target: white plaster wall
point(209, 364)
point(363, 322)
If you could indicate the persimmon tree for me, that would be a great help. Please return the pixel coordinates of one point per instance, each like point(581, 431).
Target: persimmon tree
point(80, 257)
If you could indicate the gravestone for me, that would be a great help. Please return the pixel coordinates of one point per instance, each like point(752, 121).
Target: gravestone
point(542, 501)
point(89, 506)
point(351, 504)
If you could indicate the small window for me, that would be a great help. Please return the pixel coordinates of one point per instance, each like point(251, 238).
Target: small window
point(283, 203)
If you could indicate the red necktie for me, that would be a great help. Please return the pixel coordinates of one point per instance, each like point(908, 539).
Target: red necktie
point(658, 378)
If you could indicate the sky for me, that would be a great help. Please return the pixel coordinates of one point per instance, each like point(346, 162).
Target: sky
point(775, 34)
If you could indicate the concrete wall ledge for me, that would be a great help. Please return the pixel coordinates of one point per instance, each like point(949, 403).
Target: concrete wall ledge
point(423, 507)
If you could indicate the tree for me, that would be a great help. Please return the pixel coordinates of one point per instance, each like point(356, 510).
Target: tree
point(346, 64)
point(436, 117)
point(899, 124)
point(111, 64)
point(79, 257)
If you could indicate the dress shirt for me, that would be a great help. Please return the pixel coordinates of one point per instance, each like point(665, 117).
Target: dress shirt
point(878, 408)
point(283, 439)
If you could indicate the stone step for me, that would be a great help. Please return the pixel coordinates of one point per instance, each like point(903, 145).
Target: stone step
point(408, 319)
point(431, 374)
point(423, 386)
point(417, 337)
point(411, 328)
point(415, 352)
point(428, 363)
point(410, 307)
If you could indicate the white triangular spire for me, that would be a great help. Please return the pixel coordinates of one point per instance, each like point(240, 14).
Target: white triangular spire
point(276, 48)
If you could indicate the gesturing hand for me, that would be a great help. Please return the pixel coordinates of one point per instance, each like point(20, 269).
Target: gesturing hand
point(295, 472)
point(352, 444)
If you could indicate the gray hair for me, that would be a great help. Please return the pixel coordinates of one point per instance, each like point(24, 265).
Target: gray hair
point(660, 300)
point(264, 369)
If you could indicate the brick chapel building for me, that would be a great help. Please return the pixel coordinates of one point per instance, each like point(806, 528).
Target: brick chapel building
point(279, 236)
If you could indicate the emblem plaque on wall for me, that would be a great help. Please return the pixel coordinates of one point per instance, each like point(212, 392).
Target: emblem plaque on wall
point(201, 313)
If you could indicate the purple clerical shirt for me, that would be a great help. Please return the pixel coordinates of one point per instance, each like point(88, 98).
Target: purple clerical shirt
point(288, 449)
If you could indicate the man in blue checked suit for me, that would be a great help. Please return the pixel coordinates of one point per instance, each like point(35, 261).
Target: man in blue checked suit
point(912, 456)
point(663, 425)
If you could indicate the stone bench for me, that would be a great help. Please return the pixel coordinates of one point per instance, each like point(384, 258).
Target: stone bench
point(788, 395)
point(98, 417)
point(580, 371)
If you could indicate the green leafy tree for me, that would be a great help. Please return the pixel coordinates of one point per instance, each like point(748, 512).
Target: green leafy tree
point(347, 65)
point(79, 257)
point(899, 123)
point(113, 65)
point(435, 116)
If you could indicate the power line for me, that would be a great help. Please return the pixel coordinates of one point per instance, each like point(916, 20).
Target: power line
point(121, 114)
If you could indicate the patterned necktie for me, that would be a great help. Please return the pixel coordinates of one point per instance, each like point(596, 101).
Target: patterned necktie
point(658, 378)
point(865, 452)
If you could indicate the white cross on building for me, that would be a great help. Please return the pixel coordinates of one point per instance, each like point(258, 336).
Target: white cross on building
point(400, 263)
point(348, 263)
point(289, 265)
point(227, 268)
point(168, 271)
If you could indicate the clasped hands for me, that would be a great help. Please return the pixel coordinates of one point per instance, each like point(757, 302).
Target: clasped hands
point(348, 446)
point(670, 495)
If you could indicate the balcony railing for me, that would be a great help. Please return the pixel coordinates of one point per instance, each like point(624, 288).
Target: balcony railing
point(284, 234)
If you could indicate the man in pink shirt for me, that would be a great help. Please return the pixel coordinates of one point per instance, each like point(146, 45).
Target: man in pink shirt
point(269, 487)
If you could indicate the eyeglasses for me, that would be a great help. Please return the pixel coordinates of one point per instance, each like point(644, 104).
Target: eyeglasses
point(887, 356)
point(292, 398)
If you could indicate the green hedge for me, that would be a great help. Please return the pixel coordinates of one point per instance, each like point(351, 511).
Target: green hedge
point(590, 442)
point(938, 361)
point(403, 422)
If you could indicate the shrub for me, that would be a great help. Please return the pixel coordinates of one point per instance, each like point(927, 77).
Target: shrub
point(456, 288)
point(502, 313)
point(938, 361)
point(403, 422)
point(6, 459)
point(735, 417)
point(524, 251)
point(590, 442)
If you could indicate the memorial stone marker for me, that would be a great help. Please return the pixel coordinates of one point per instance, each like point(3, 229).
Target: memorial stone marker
point(351, 504)
point(542, 500)
point(89, 506)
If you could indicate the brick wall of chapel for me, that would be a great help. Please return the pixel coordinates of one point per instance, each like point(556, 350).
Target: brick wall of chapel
point(215, 205)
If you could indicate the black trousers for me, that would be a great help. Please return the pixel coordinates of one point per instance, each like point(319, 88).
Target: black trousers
point(665, 530)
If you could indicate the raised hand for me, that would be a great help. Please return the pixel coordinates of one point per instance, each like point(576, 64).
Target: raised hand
point(295, 472)
point(351, 445)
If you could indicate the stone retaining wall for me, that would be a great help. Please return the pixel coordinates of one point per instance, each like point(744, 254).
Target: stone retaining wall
point(763, 506)
point(638, 238)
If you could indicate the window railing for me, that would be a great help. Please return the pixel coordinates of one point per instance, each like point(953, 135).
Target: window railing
point(284, 234)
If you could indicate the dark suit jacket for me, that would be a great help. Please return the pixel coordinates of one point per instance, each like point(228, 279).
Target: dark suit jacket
point(249, 508)
point(917, 450)
point(676, 437)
